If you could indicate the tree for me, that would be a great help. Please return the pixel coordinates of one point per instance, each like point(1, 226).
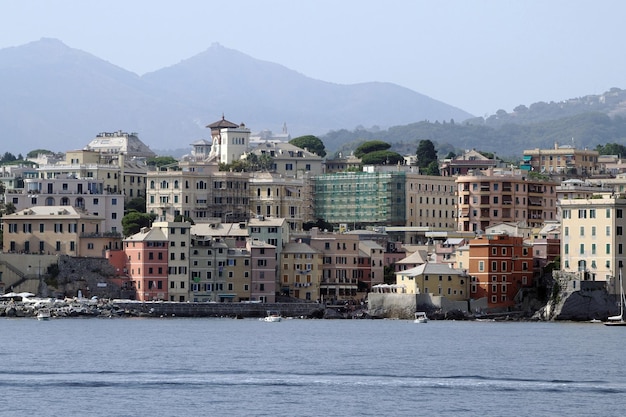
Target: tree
point(134, 221)
point(311, 143)
point(371, 146)
point(319, 223)
point(426, 153)
point(36, 152)
point(382, 158)
point(136, 204)
point(432, 169)
point(612, 149)
point(159, 161)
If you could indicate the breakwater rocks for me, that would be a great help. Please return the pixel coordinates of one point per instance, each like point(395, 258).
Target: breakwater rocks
point(127, 308)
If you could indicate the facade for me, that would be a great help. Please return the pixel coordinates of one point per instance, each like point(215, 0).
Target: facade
point(118, 173)
point(492, 197)
point(289, 160)
point(593, 238)
point(264, 272)
point(229, 141)
point(499, 265)
point(57, 230)
point(370, 265)
point(430, 201)
point(88, 196)
point(340, 252)
point(147, 264)
point(178, 235)
point(462, 165)
point(437, 279)
point(198, 190)
point(301, 271)
point(112, 144)
point(562, 160)
point(361, 198)
point(274, 195)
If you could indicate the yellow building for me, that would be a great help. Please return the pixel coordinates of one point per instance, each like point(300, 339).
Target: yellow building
point(58, 230)
point(301, 271)
point(437, 279)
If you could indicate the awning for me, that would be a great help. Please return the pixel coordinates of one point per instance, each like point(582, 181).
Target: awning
point(464, 212)
point(527, 157)
point(535, 201)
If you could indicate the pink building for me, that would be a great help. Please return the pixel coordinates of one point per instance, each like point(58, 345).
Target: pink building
point(263, 271)
point(147, 262)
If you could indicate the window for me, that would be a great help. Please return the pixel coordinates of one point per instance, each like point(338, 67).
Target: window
point(582, 230)
point(481, 266)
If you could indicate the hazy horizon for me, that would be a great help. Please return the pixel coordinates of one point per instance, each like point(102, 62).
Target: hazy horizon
point(479, 56)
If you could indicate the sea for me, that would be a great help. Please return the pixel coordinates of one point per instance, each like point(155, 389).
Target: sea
point(298, 367)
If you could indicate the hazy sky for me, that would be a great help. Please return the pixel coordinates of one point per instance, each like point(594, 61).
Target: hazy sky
point(477, 55)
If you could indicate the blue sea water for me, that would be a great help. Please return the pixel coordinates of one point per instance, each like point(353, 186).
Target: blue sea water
point(219, 367)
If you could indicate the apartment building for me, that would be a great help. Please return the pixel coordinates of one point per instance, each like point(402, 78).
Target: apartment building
point(439, 279)
point(301, 271)
point(178, 235)
point(58, 230)
point(430, 201)
point(563, 160)
point(497, 196)
point(499, 265)
point(289, 160)
point(340, 254)
point(198, 190)
point(264, 272)
point(274, 195)
point(147, 255)
point(593, 238)
point(229, 141)
point(86, 195)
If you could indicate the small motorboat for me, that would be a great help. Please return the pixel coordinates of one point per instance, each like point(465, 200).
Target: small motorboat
point(43, 314)
point(420, 317)
point(272, 316)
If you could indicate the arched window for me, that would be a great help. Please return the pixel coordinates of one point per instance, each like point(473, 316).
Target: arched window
point(80, 202)
point(49, 201)
point(152, 185)
point(65, 201)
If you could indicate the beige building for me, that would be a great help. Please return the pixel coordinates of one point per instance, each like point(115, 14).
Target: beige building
point(274, 195)
point(563, 160)
point(430, 201)
point(178, 235)
point(301, 271)
point(198, 190)
point(437, 279)
point(491, 197)
point(58, 230)
point(289, 160)
point(593, 237)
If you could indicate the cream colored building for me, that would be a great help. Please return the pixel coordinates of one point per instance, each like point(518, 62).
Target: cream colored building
point(57, 230)
point(274, 195)
point(178, 235)
point(430, 201)
point(593, 237)
point(198, 190)
point(289, 160)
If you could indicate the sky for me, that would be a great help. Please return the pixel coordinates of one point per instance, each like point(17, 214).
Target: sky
point(477, 55)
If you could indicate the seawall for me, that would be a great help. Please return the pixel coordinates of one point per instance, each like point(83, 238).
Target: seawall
point(165, 308)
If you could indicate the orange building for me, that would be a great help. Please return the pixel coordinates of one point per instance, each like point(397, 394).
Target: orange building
point(499, 265)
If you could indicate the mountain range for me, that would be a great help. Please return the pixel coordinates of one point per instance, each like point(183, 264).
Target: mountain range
point(59, 98)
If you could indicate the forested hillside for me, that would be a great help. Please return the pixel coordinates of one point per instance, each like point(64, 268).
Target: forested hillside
point(587, 130)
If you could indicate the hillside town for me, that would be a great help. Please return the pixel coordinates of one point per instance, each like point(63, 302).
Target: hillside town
point(483, 237)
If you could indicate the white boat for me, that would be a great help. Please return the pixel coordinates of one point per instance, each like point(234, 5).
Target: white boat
point(420, 317)
point(43, 314)
point(272, 316)
point(618, 320)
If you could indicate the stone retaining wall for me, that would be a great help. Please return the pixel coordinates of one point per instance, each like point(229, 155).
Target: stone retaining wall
point(157, 309)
